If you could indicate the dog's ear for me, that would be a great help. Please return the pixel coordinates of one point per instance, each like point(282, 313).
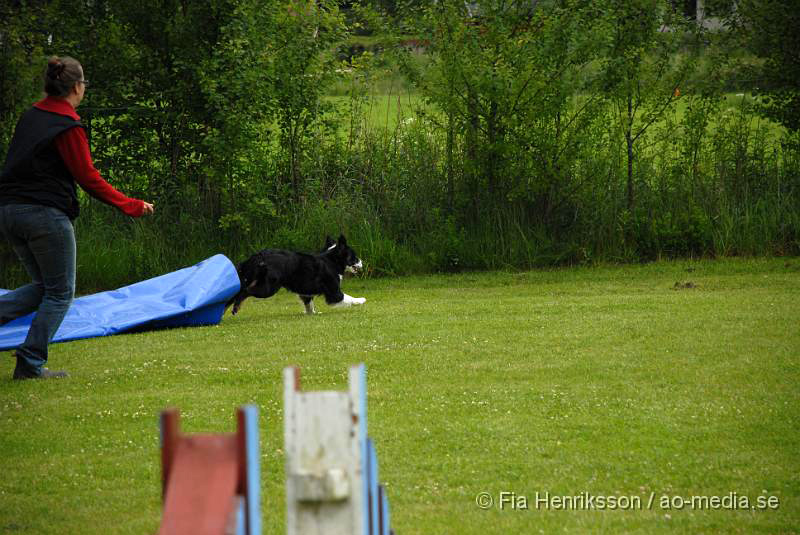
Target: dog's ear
point(342, 240)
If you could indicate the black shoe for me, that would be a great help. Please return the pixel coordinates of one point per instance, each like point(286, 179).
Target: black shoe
point(20, 375)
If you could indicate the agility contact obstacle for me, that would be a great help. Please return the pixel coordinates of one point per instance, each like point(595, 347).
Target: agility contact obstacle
point(211, 482)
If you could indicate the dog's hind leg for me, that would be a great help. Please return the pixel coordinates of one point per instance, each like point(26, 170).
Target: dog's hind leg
point(236, 301)
point(308, 301)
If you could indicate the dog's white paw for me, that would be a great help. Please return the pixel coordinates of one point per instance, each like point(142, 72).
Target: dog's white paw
point(349, 301)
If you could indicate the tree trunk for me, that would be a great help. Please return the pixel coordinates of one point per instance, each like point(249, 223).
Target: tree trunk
point(450, 180)
point(629, 143)
point(492, 159)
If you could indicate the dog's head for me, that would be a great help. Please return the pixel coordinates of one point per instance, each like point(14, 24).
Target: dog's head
point(344, 254)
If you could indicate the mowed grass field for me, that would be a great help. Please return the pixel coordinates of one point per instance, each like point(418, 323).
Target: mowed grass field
point(392, 110)
point(654, 383)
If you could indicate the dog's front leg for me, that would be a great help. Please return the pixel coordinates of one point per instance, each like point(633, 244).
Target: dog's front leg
point(349, 301)
point(308, 302)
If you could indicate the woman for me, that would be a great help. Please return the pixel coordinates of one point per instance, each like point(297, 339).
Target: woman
point(49, 153)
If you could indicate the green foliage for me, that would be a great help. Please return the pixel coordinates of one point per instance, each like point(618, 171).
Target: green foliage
point(519, 134)
point(504, 79)
point(644, 69)
point(304, 65)
point(22, 44)
point(768, 29)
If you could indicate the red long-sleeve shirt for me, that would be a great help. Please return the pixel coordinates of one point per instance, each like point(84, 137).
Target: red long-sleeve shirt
point(73, 146)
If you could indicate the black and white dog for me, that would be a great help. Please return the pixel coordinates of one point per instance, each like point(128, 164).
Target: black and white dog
point(307, 275)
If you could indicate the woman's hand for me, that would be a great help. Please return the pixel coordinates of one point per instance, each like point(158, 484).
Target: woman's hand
point(148, 208)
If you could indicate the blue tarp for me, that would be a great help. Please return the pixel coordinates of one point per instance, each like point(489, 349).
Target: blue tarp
point(191, 296)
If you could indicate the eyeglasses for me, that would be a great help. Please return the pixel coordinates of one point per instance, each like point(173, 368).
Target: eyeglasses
point(84, 82)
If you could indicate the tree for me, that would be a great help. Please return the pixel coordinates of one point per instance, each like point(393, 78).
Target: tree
point(651, 52)
point(305, 36)
point(506, 75)
point(769, 30)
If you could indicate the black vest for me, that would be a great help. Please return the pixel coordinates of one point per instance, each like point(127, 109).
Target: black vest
point(34, 172)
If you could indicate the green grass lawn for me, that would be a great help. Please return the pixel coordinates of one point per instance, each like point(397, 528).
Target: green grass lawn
point(602, 382)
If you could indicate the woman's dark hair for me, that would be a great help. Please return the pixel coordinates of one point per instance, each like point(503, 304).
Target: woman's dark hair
point(61, 75)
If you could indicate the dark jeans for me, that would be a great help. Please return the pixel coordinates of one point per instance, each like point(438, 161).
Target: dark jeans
point(44, 240)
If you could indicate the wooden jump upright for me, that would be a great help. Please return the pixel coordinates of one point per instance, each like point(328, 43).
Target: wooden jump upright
point(331, 465)
point(210, 483)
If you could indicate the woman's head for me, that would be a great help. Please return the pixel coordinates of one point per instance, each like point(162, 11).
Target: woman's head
point(62, 75)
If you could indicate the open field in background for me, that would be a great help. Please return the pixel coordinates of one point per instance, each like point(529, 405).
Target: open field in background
point(379, 111)
point(666, 379)
point(387, 110)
